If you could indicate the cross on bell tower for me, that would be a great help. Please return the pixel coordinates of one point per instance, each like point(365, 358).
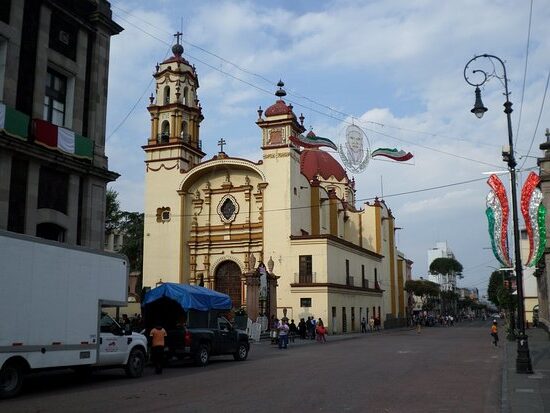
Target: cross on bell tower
point(221, 142)
point(177, 36)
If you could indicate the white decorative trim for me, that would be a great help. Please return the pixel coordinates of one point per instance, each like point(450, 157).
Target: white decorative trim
point(218, 162)
point(224, 258)
point(235, 212)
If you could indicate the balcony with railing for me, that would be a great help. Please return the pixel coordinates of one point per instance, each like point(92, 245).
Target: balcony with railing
point(310, 278)
point(349, 281)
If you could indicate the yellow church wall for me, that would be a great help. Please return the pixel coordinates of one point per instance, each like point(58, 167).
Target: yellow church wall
point(161, 239)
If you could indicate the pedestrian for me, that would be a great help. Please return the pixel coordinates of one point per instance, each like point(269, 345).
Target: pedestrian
point(293, 331)
point(274, 330)
point(418, 325)
point(377, 323)
point(494, 333)
point(302, 328)
point(157, 347)
point(321, 332)
point(371, 324)
point(283, 333)
point(363, 325)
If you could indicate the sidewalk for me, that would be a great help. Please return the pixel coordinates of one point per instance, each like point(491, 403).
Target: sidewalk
point(334, 337)
point(527, 392)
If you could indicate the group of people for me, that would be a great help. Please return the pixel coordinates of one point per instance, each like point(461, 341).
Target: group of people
point(311, 329)
point(372, 325)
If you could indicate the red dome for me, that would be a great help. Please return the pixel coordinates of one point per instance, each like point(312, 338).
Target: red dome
point(176, 59)
point(278, 108)
point(316, 162)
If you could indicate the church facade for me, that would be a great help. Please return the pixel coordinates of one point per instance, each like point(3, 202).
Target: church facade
point(280, 235)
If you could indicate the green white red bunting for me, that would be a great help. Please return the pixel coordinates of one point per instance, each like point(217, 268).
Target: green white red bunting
point(13, 122)
point(64, 139)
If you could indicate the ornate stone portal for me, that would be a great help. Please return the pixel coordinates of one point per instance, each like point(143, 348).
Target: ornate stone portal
point(261, 292)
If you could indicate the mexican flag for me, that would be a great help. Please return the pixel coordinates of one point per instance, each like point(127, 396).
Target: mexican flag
point(13, 122)
point(64, 139)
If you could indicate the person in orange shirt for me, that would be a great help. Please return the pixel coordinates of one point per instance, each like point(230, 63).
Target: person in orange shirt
point(157, 347)
point(494, 333)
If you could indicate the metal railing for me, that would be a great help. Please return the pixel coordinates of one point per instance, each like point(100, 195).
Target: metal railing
point(305, 278)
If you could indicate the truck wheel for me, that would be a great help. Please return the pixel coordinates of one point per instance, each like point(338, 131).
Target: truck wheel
point(202, 355)
point(242, 352)
point(11, 380)
point(136, 362)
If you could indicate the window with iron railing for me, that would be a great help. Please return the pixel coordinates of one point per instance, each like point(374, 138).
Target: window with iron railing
point(349, 280)
point(305, 269)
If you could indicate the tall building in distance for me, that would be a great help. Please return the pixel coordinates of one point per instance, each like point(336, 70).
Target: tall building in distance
point(54, 60)
point(442, 250)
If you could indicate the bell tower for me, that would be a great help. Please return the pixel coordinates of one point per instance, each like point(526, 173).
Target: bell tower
point(175, 112)
point(173, 148)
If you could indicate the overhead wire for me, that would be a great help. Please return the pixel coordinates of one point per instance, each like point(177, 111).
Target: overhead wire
point(538, 120)
point(524, 70)
point(329, 115)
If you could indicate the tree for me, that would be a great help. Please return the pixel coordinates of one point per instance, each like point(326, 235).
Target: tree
point(132, 228)
point(113, 214)
point(496, 281)
point(427, 291)
point(445, 266)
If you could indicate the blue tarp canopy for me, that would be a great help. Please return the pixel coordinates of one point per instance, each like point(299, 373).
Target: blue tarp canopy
point(189, 297)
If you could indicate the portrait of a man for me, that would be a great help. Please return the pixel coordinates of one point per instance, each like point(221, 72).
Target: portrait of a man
point(353, 153)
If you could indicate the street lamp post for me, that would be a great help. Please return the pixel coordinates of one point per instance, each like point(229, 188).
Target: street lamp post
point(523, 360)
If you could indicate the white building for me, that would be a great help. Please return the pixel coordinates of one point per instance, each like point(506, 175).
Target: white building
point(442, 250)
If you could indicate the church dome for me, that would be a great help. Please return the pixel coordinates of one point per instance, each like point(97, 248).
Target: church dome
point(316, 162)
point(278, 108)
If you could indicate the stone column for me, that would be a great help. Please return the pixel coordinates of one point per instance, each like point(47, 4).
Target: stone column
point(252, 283)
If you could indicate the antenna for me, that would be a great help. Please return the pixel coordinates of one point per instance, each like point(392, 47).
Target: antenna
point(381, 186)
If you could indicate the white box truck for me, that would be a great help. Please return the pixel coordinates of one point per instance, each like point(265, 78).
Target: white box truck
point(51, 300)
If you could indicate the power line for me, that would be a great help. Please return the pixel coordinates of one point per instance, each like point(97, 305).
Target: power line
point(339, 119)
point(538, 120)
point(524, 71)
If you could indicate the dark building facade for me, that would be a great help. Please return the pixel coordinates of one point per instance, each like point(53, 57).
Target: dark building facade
point(54, 62)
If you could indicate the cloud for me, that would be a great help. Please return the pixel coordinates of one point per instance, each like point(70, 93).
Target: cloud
point(397, 67)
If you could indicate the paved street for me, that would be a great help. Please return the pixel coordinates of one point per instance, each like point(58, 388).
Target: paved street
point(440, 370)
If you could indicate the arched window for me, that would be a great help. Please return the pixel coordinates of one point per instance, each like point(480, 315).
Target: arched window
point(166, 95)
point(165, 132)
point(185, 96)
point(184, 132)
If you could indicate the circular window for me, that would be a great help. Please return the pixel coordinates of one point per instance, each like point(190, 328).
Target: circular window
point(228, 209)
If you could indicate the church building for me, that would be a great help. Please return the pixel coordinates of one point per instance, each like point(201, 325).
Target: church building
point(281, 235)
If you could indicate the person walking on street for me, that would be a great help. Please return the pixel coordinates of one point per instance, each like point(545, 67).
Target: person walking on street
point(283, 333)
point(157, 335)
point(302, 328)
point(363, 325)
point(321, 332)
point(371, 324)
point(418, 325)
point(494, 333)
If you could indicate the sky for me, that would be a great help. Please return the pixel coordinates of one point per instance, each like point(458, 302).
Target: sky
point(395, 68)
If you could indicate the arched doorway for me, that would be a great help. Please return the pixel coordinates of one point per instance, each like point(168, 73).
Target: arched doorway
point(228, 281)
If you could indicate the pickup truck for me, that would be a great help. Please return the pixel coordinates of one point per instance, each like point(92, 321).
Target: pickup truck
point(191, 316)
